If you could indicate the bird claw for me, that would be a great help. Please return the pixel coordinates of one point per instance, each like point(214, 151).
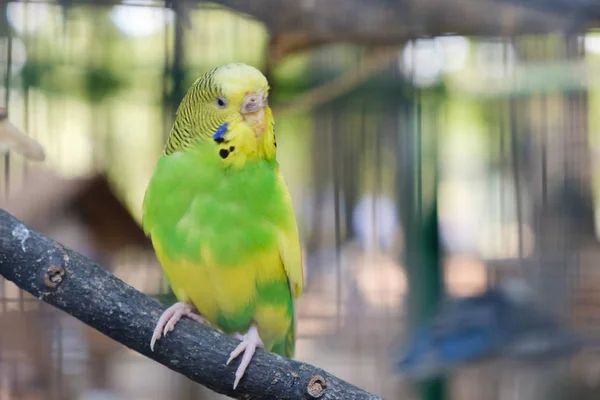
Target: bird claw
point(250, 341)
point(169, 318)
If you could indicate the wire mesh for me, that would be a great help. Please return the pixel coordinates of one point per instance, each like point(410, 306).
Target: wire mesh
point(515, 189)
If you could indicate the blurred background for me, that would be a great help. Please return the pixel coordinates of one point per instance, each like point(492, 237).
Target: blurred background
point(436, 154)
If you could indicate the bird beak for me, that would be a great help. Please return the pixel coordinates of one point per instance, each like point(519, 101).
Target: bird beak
point(254, 102)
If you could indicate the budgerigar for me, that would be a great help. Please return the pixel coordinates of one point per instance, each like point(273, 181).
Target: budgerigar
point(221, 218)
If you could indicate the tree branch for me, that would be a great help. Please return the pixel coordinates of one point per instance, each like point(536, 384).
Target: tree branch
point(301, 24)
point(315, 97)
point(72, 283)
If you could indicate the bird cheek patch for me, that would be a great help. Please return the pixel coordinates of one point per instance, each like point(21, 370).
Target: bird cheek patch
point(219, 135)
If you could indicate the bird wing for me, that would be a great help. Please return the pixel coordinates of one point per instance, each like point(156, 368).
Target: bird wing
point(289, 245)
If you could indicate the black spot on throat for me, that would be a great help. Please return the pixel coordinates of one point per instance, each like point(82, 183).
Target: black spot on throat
point(223, 153)
point(231, 148)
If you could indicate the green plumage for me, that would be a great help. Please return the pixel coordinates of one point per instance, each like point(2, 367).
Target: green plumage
point(197, 210)
point(232, 212)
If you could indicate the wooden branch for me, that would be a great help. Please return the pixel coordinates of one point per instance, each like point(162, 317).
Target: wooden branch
point(301, 24)
point(12, 139)
point(313, 98)
point(72, 283)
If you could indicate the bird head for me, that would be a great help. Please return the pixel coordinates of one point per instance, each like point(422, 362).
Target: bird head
point(228, 105)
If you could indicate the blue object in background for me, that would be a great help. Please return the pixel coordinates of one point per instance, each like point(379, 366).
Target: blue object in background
point(500, 322)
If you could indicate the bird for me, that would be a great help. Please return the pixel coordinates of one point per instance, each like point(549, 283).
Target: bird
point(502, 322)
point(12, 139)
point(221, 220)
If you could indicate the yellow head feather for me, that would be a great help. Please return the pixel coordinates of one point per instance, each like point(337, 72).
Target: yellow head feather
point(235, 80)
point(229, 101)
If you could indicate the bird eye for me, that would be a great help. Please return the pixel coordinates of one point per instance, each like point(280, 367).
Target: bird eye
point(221, 102)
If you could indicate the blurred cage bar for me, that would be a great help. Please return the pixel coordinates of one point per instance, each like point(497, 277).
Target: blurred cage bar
point(515, 135)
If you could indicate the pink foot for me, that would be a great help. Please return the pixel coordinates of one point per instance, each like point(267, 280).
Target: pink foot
point(172, 315)
point(250, 342)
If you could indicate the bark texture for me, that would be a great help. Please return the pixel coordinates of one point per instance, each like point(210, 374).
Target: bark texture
point(72, 283)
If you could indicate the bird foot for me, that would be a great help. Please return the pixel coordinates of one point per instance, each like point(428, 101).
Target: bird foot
point(169, 318)
point(250, 341)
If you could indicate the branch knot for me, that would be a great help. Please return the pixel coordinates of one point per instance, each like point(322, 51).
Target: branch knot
point(54, 276)
point(316, 386)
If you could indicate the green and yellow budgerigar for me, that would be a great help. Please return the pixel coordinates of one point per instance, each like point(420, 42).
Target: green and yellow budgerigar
point(221, 218)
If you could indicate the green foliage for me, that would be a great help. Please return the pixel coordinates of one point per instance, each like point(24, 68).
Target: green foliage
point(101, 83)
point(33, 73)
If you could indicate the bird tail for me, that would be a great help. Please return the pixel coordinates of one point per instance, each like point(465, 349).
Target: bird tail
point(290, 339)
point(286, 347)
